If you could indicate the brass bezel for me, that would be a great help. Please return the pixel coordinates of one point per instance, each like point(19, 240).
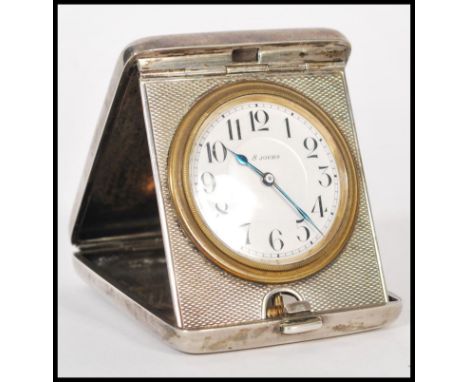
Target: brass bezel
point(194, 225)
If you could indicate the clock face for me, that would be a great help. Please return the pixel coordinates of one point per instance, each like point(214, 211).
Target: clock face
point(268, 184)
point(264, 180)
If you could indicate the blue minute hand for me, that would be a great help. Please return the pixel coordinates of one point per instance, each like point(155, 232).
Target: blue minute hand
point(299, 209)
point(269, 180)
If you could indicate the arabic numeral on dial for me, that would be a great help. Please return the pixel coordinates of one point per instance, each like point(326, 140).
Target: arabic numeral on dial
point(288, 130)
point(230, 130)
point(222, 208)
point(275, 240)
point(209, 182)
point(260, 117)
point(246, 226)
point(311, 145)
point(318, 207)
point(325, 182)
point(306, 231)
point(216, 151)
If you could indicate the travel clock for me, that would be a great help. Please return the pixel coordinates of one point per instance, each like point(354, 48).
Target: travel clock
point(224, 201)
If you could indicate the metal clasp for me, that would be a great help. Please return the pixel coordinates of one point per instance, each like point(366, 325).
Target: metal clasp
point(297, 316)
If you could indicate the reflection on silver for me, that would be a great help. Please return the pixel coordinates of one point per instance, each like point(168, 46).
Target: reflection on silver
point(141, 259)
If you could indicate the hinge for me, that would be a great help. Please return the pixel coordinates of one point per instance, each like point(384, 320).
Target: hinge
point(297, 57)
point(229, 69)
point(235, 69)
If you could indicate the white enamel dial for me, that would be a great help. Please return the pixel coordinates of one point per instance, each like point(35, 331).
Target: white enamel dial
point(264, 181)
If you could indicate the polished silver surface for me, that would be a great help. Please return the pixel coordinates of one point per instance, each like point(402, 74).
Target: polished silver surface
point(130, 243)
point(237, 337)
point(303, 326)
point(297, 307)
point(352, 280)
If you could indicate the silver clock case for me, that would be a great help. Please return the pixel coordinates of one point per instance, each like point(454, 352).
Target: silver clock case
point(130, 242)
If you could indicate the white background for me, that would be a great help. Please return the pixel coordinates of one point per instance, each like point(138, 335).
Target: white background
point(97, 339)
point(27, 214)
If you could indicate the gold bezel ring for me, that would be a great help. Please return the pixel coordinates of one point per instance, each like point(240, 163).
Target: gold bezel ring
point(207, 108)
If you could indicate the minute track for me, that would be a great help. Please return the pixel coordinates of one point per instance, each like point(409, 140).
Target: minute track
point(269, 152)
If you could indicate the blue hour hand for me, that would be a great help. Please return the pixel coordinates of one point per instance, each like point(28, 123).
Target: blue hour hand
point(242, 160)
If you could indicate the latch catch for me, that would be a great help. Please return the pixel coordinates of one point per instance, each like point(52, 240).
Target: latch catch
point(296, 316)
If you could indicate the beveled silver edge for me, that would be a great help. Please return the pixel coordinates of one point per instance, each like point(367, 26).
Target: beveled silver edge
point(161, 207)
point(99, 129)
point(245, 336)
point(151, 45)
point(364, 183)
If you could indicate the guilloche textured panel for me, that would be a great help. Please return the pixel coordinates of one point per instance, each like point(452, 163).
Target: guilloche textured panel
point(209, 296)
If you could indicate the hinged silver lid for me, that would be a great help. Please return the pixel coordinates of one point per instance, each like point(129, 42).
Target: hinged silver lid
point(116, 201)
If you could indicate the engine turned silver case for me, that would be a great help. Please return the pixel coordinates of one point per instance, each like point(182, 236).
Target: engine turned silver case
point(130, 243)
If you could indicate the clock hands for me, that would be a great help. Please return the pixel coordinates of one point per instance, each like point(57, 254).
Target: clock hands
point(242, 159)
point(269, 180)
point(299, 209)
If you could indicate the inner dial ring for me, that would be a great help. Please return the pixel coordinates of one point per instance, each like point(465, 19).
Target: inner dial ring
point(229, 197)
